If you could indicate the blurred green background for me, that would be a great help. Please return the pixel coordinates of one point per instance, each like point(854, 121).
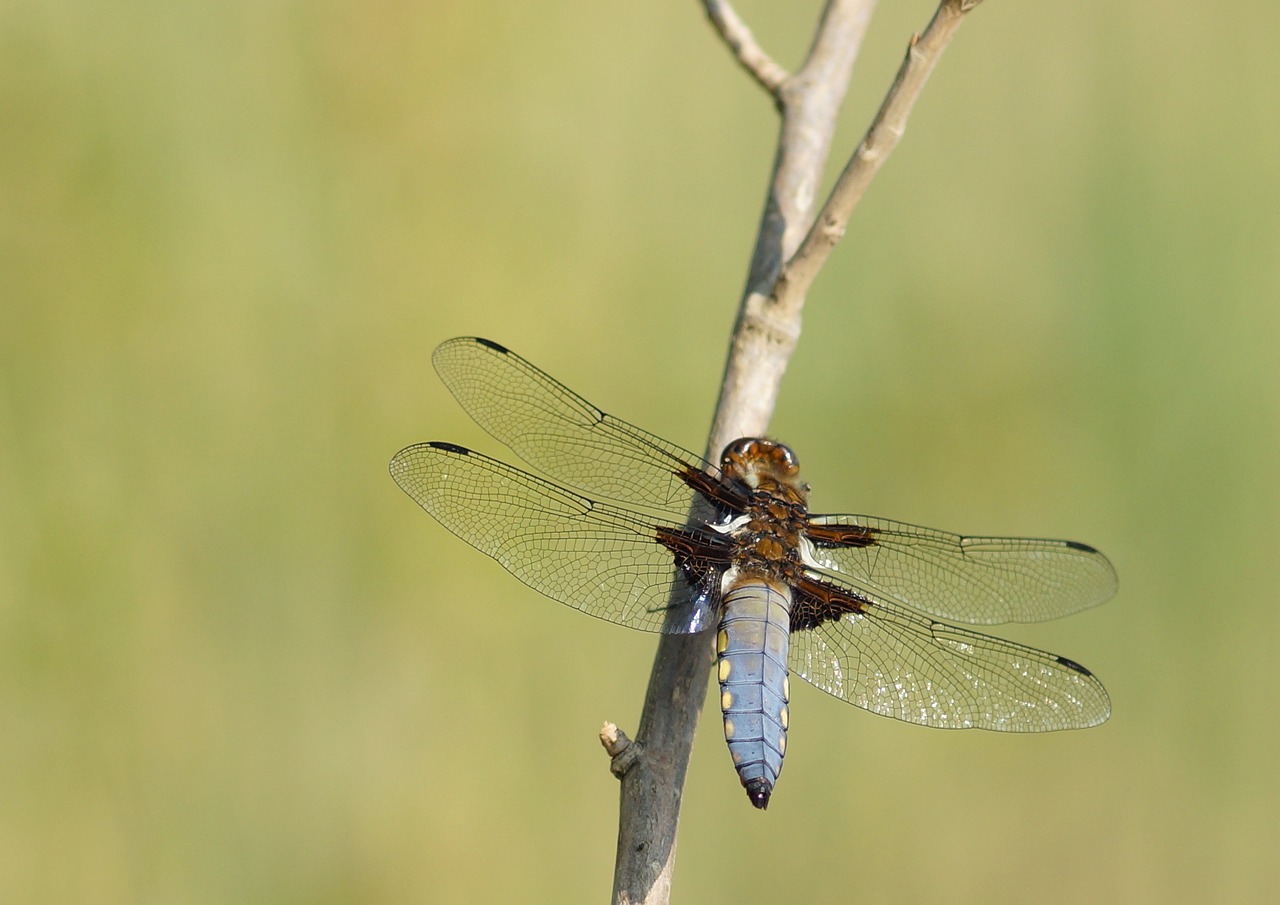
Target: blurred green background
point(238, 665)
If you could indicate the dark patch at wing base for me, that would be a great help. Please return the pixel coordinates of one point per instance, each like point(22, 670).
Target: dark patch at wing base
point(816, 602)
point(702, 559)
point(825, 536)
point(725, 496)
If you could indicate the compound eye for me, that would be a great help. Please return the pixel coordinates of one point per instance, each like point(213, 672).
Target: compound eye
point(738, 449)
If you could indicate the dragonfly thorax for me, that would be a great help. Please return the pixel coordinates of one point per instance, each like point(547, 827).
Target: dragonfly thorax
point(768, 535)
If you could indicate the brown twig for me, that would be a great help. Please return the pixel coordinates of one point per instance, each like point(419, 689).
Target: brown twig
point(791, 247)
point(886, 130)
point(748, 53)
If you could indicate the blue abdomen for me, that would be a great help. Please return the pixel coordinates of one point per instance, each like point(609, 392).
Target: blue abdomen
point(752, 646)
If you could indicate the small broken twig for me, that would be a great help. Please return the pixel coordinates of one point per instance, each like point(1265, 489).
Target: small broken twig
point(622, 750)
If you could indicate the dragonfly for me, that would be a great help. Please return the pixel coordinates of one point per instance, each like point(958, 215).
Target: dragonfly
point(638, 531)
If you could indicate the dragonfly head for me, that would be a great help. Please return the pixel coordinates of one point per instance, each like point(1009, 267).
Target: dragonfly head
point(763, 464)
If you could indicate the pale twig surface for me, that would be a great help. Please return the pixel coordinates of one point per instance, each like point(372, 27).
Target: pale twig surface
point(810, 105)
point(791, 246)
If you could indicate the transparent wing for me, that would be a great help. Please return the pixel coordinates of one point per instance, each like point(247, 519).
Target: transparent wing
point(888, 660)
point(561, 434)
point(600, 559)
point(978, 580)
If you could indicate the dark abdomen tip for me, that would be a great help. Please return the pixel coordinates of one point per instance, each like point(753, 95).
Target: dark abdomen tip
point(758, 791)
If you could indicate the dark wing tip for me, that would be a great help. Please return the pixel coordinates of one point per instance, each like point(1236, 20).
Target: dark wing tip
point(1072, 664)
point(488, 343)
point(758, 792)
point(402, 462)
point(1083, 548)
point(448, 447)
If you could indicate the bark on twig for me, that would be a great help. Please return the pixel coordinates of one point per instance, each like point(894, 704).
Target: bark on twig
point(791, 247)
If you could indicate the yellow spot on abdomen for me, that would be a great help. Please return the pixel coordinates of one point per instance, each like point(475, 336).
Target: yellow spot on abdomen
point(722, 641)
point(728, 728)
point(783, 717)
point(726, 700)
point(786, 688)
point(782, 744)
point(725, 668)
